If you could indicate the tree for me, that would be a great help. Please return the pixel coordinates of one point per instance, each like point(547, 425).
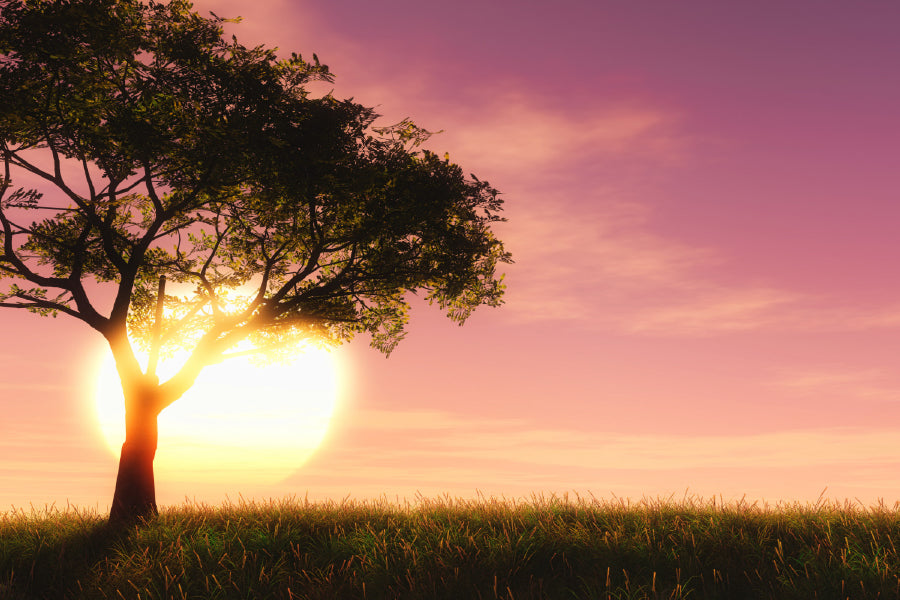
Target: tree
point(174, 155)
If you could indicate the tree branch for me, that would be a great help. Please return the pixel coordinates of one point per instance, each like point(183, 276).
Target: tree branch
point(104, 226)
point(87, 177)
point(55, 179)
point(79, 296)
point(41, 303)
point(19, 266)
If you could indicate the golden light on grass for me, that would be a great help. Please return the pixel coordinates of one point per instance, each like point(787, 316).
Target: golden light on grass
point(239, 422)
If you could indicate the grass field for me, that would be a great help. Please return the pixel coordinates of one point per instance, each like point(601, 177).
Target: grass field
point(545, 548)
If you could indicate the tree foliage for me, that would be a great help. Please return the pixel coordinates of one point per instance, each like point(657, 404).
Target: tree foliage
point(169, 150)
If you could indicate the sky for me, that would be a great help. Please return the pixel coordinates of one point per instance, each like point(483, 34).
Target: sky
point(703, 201)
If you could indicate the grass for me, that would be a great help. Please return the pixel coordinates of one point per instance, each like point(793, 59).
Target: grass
point(447, 548)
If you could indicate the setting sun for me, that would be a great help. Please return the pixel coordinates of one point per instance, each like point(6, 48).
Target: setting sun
point(240, 421)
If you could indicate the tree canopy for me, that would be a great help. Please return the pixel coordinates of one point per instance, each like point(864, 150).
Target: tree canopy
point(169, 150)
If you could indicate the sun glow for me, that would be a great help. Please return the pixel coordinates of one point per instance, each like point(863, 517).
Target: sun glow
point(239, 422)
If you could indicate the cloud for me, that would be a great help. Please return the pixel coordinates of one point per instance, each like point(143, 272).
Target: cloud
point(517, 134)
point(604, 267)
point(790, 449)
point(714, 310)
point(420, 420)
point(858, 384)
point(603, 264)
point(834, 317)
point(440, 452)
point(720, 309)
point(574, 264)
point(459, 439)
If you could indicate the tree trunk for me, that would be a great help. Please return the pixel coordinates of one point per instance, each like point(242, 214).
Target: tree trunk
point(135, 495)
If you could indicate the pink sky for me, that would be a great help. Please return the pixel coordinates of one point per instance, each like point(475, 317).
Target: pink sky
point(703, 208)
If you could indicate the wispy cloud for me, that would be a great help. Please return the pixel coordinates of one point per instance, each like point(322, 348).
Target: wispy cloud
point(714, 310)
point(439, 452)
point(856, 384)
point(719, 309)
point(604, 267)
point(576, 265)
point(517, 441)
point(616, 451)
point(836, 317)
point(517, 135)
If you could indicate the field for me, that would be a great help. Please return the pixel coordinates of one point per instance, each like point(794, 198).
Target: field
point(448, 548)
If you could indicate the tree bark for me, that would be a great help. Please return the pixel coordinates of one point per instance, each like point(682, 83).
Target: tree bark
point(135, 495)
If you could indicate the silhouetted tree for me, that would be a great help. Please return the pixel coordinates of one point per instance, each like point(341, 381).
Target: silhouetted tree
point(140, 147)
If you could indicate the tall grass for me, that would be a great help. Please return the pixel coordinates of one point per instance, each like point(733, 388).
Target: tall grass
point(447, 548)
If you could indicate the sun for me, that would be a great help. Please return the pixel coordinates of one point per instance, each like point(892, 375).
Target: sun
point(239, 422)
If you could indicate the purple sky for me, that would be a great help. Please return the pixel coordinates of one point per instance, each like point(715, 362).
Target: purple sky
point(703, 209)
